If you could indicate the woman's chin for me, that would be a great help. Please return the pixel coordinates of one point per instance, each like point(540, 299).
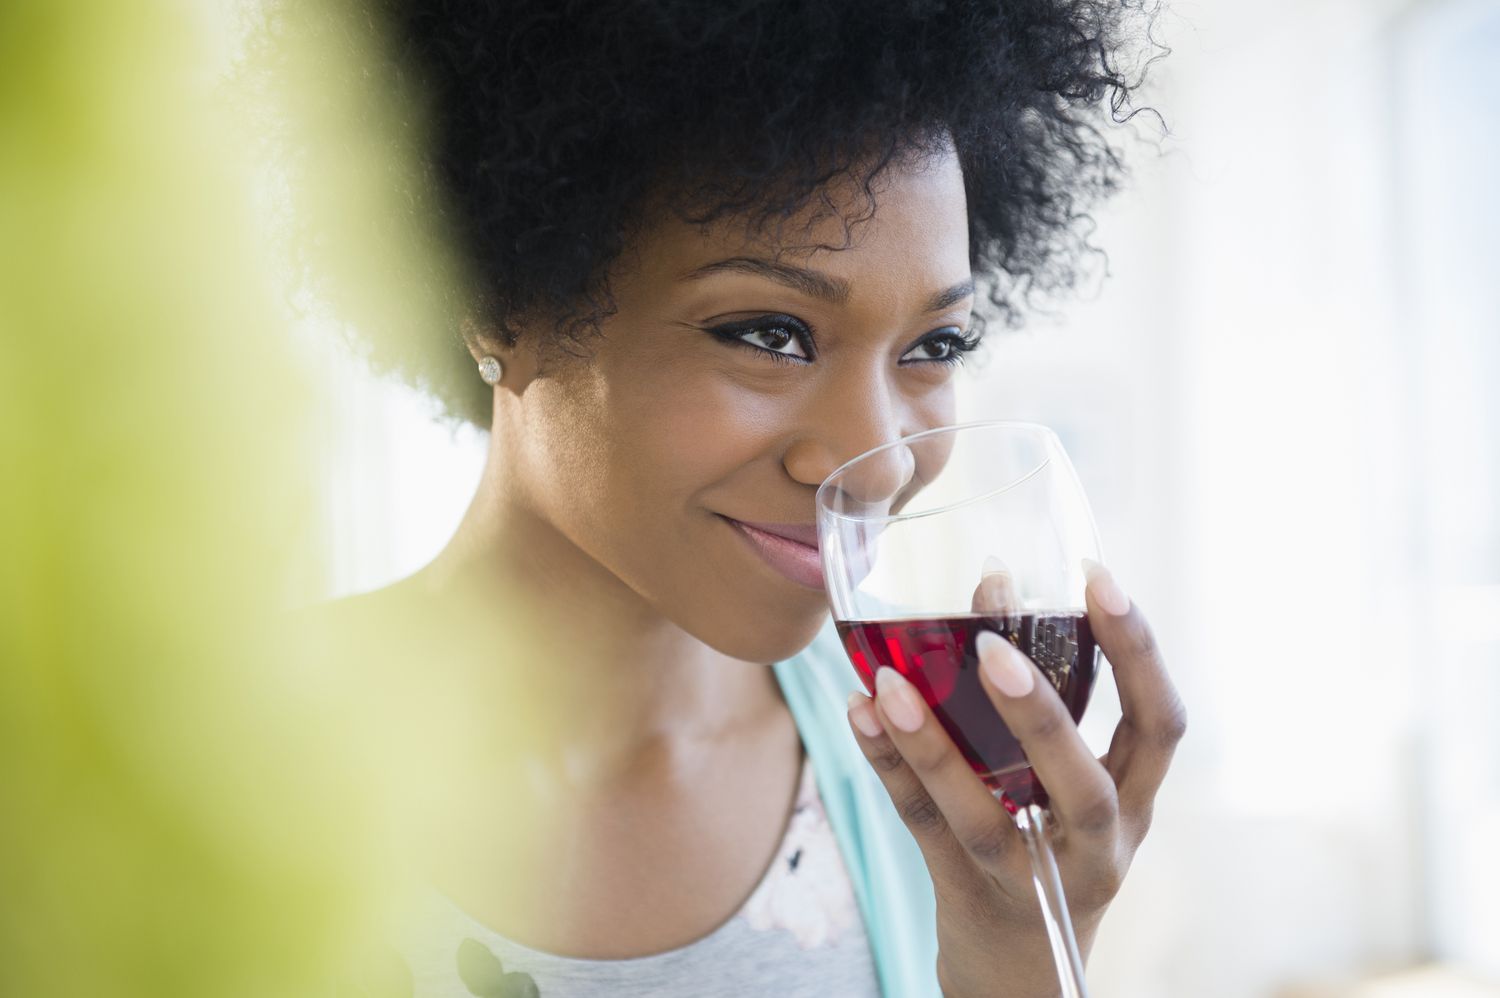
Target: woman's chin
point(753, 640)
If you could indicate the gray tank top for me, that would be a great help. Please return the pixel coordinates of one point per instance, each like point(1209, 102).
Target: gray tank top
point(799, 934)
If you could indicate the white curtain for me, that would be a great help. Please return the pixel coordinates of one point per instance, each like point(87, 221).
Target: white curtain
point(1283, 405)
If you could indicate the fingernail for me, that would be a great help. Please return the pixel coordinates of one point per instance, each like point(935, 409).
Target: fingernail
point(993, 566)
point(898, 699)
point(1004, 665)
point(1107, 592)
point(862, 715)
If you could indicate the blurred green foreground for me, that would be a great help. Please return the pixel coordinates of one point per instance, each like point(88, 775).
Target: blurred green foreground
point(191, 804)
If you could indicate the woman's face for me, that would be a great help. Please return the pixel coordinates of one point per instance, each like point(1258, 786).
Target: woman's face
point(734, 377)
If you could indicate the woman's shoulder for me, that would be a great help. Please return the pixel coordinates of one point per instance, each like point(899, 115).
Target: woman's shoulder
point(356, 607)
point(365, 640)
point(396, 612)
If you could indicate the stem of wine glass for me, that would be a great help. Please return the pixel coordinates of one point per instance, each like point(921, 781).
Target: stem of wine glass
point(1033, 823)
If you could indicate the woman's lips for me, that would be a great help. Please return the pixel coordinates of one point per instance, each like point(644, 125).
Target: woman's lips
point(791, 549)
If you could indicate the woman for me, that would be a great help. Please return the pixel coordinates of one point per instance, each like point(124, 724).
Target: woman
point(719, 249)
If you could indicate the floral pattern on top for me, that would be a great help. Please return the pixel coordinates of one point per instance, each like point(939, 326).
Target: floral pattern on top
point(485, 976)
point(806, 891)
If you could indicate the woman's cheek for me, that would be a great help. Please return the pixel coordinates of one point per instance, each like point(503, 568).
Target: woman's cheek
point(698, 426)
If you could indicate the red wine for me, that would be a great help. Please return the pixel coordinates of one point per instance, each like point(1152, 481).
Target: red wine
point(937, 655)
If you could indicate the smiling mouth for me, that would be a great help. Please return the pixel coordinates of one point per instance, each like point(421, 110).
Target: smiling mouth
point(790, 556)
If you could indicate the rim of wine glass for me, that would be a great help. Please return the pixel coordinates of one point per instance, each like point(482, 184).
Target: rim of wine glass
point(994, 424)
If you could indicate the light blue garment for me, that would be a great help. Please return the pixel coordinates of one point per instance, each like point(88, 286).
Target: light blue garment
point(890, 878)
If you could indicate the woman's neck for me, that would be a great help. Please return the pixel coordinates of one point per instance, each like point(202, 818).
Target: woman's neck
point(634, 689)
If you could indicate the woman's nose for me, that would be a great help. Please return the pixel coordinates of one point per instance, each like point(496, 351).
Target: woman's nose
point(875, 484)
point(843, 433)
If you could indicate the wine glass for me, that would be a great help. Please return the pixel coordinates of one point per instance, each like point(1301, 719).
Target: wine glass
point(931, 539)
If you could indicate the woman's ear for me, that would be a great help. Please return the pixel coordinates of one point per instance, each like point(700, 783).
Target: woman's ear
point(482, 339)
point(497, 359)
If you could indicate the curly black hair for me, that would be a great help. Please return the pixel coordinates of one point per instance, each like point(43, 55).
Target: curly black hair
point(551, 126)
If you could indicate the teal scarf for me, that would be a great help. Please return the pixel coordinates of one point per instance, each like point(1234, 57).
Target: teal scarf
point(890, 878)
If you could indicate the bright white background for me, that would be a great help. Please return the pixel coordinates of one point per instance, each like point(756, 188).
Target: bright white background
point(1282, 402)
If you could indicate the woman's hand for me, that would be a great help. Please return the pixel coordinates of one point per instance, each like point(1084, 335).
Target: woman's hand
point(991, 939)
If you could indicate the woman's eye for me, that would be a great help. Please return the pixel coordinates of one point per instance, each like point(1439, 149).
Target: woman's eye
point(945, 346)
point(781, 336)
point(777, 339)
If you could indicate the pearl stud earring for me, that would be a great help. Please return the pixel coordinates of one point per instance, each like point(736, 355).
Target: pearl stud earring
point(490, 369)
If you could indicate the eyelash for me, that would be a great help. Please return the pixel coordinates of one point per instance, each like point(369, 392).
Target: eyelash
point(734, 333)
point(962, 344)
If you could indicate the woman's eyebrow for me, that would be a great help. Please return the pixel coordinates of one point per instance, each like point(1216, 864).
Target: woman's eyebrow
point(950, 296)
point(813, 283)
point(816, 284)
